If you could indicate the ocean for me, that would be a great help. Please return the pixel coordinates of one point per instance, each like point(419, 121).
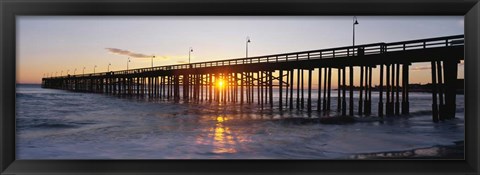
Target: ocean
point(58, 124)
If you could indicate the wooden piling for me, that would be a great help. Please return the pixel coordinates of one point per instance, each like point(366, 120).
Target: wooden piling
point(280, 85)
point(287, 86)
point(450, 73)
point(440, 85)
point(369, 102)
point(392, 90)
point(366, 89)
point(380, 93)
point(270, 84)
point(387, 93)
point(405, 87)
point(302, 106)
point(319, 90)
point(434, 92)
point(397, 102)
point(325, 90)
point(339, 90)
point(309, 98)
point(329, 88)
point(266, 82)
point(291, 89)
point(298, 88)
point(344, 89)
point(351, 92)
point(259, 85)
point(262, 87)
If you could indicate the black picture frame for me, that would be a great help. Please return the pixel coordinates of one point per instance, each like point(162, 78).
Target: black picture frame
point(9, 9)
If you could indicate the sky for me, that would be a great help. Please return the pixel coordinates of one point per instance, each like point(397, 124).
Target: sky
point(53, 45)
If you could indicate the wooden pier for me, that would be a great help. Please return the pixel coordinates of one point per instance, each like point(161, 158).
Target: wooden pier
point(252, 80)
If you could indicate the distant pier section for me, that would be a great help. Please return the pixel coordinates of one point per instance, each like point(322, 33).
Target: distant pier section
point(252, 80)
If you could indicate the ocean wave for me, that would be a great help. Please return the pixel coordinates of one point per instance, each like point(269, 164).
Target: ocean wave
point(421, 112)
point(49, 124)
point(54, 125)
point(92, 126)
point(26, 96)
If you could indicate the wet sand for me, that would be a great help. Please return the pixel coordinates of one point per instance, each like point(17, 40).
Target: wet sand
point(450, 152)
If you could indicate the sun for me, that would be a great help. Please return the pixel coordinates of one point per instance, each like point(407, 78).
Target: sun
point(220, 84)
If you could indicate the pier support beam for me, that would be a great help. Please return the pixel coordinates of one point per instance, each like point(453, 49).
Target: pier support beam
point(309, 100)
point(397, 102)
point(351, 91)
point(339, 90)
point(360, 93)
point(325, 90)
point(262, 87)
point(440, 87)
point(287, 88)
point(405, 88)
point(280, 89)
point(329, 88)
point(302, 100)
point(259, 84)
point(450, 74)
point(291, 89)
point(319, 91)
point(434, 92)
point(387, 93)
point(344, 89)
point(380, 93)
point(365, 99)
point(368, 96)
point(242, 85)
point(298, 88)
point(270, 84)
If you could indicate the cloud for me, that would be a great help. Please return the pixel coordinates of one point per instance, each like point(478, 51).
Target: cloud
point(182, 62)
point(127, 53)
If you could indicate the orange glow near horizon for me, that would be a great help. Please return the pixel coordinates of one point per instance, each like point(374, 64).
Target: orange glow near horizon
point(49, 45)
point(220, 84)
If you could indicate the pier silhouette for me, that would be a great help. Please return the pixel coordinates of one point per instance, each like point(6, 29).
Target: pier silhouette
point(242, 78)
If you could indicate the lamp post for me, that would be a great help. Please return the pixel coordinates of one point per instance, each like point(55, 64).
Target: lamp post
point(355, 22)
point(128, 60)
point(83, 72)
point(61, 73)
point(108, 68)
point(152, 60)
point(94, 69)
point(68, 71)
point(190, 50)
point(75, 70)
point(246, 45)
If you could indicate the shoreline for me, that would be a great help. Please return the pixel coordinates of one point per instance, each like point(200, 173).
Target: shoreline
point(449, 152)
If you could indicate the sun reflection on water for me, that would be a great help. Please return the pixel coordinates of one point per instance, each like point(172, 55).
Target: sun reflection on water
point(223, 139)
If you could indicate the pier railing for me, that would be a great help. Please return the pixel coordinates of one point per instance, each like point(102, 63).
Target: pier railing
point(330, 53)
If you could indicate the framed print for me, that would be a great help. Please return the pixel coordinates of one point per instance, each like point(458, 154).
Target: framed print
point(239, 87)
